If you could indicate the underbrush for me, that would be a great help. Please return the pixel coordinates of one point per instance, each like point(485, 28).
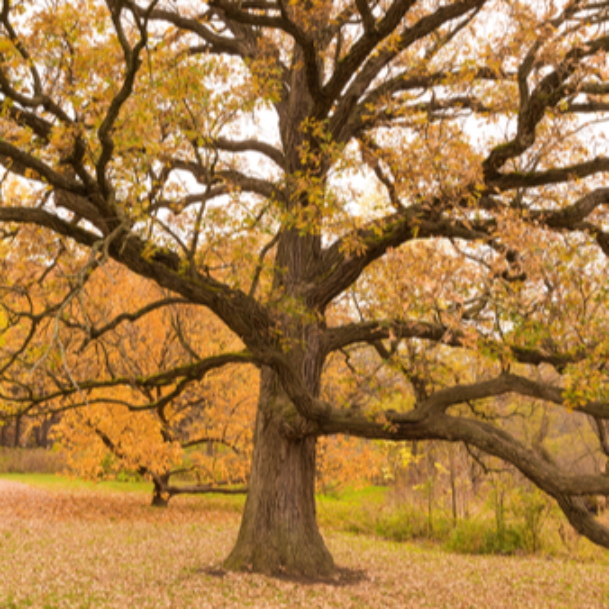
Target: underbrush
point(30, 461)
point(530, 525)
point(481, 537)
point(397, 523)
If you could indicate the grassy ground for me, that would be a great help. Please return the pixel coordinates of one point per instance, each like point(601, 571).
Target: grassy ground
point(65, 545)
point(54, 482)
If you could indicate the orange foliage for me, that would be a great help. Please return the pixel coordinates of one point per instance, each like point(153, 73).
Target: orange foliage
point(129, 421)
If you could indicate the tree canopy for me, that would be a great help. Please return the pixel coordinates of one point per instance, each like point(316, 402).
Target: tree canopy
point(418, 184)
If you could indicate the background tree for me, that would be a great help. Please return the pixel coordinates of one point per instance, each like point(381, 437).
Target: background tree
point(222, 150)
point(202, 436)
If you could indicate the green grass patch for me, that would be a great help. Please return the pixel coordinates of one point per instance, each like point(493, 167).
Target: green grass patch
point(482, 537)
point(60, 483)
point(220, 502)
point(348, 496)
point(67, 483)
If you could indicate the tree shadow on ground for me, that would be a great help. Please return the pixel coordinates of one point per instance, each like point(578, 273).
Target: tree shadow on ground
point(341, 578)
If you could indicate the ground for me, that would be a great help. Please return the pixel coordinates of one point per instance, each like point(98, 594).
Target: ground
point(74, 548)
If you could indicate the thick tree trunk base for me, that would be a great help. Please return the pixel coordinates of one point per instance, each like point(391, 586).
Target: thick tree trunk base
point(160, 498)
point(286, 554)
point(279, 533)
point(158, 501)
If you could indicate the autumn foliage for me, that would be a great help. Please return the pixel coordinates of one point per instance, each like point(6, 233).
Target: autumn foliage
point(392, 215)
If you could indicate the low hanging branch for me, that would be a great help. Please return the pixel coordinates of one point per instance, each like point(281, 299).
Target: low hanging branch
point(163, 490)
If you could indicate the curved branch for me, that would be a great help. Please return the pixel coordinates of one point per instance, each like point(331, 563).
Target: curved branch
point(360, 52)
point(40, 217)
point(548, 93)
point(340, 268)
point(374, 63)
point(574, 213)
point(246, 183)
point(39, 126)
point(482, 435)
point(250, 145)
point(233, 177)
point(22, 163)
point(259, 267)
point(183, 376)
point(132, 65)
point(96, 333)
point(581, 519)
point(371, 331)
point(511, 181)
point(338, 338)
point(216, 44)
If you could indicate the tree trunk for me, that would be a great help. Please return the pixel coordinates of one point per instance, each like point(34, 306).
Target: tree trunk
point(279, 533)
point(453, 484)
point(160, 496)
point(17, 437)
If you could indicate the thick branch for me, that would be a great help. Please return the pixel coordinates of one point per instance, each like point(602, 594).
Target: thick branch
point(250, 146)
point(512, 181)
point(25, 164)
point(548, 93)
point(484, 436)
point(345, 260)
point(371, 331)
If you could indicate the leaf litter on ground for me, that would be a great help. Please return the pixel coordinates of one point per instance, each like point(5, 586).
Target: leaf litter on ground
point(92, 549)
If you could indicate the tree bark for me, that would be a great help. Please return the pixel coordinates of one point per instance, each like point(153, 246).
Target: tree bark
point(582, 521)
point(160, 496)
point(17, 437)
point(279, 533)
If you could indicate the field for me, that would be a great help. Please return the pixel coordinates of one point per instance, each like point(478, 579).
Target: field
point(68, 544)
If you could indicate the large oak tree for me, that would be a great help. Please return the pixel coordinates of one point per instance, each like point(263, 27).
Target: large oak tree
point(422, 180)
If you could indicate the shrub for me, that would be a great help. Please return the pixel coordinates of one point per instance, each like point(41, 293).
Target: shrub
point(482, 537)
point(401, 524)
point(397, 522)
point(532, 508)
point(405, 522)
